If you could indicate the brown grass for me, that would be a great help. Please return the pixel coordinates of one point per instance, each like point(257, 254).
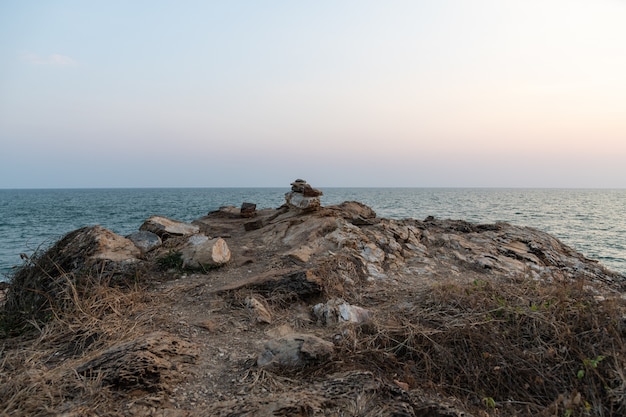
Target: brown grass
point(52, 278)
point(37, 368)
point(521, 347)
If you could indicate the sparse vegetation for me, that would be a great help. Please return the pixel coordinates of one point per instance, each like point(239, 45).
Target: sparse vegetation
point(517, 346)
point(172, 260)
point(37, 368)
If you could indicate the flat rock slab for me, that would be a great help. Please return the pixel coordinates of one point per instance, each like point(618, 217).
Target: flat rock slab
point(282, 281)
point(164, 227)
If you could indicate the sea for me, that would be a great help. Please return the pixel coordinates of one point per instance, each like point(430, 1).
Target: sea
point(592, 221)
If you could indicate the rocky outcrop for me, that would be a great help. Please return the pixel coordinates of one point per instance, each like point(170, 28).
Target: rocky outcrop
point(332, 310)
point(85, 248)
point(49, 278)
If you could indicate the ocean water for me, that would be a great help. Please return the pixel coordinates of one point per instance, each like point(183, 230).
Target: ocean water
point(591, 221)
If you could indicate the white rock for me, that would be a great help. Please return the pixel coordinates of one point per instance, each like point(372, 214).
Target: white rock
point(299, 201)
point(336, 310)
point(201, 252)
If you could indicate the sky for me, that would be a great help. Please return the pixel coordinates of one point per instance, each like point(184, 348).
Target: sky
point(342, 93)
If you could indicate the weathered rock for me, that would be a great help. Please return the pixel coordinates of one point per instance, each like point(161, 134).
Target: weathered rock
point(145, 240)
point(259, 311)
point(337, 310)
point(299, 201)
point(165, 228)
point(357, 213)
point(290, 282)
point(89, 245)
point(294, 351)
point(202, 252)
point(253, 225)
point(77, 257)
point(111, 246)
point(301, 254)
point(248, 210)
point(226, 212)
point(301, 186)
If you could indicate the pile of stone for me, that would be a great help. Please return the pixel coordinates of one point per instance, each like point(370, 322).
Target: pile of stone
point(304, 197)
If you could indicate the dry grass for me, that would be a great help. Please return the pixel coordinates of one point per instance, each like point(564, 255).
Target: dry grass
point(37, 368)
point(51, 280)
point(521, 347)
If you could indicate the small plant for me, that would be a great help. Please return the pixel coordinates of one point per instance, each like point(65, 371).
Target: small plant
point(589, 363)
point(489, 402)
point(173, 260)
point(594, 362)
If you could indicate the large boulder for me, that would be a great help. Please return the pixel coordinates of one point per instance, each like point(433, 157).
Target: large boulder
point(165, 228)
point(86, 247)
point(49, 279)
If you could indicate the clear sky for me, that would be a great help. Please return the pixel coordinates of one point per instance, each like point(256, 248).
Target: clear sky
point(441, 93)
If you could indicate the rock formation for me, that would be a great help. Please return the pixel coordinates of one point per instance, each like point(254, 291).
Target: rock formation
point(302, 196)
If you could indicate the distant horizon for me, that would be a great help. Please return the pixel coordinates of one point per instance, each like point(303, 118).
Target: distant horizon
point(319, 187)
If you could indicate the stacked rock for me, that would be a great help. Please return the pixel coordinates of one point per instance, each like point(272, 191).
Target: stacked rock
point(304, 197)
